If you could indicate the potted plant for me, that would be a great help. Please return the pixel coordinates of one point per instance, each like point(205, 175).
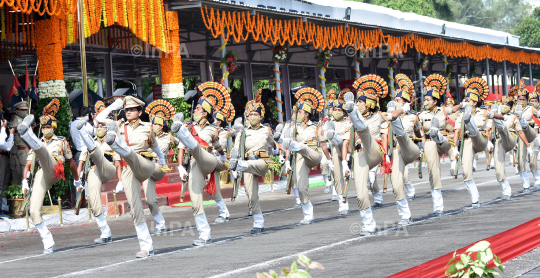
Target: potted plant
point(477, 262)
point(15, 199)
point(273, 169)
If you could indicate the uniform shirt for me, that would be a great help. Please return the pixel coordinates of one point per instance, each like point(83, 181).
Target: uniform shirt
point(223, 137)
point(306, 132)
point(139, 136)
point(53, 147)
point(439, 112)
point(17, 140)
point(410, 124)
point(257, 139)
point(512, 123)
point(528, 112)
point(480, 116)
point(207, 132)
point(104, 147)
point(342, 129)
point(164, 142)
point(377, 124)
point(76, 134)
point(5, 144)
point(449, 128)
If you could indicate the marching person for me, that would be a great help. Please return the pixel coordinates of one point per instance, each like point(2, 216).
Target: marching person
point(104, 164)
point(131, 141)
point(370, 140)
point(52, 151)
point(198, 139)
point(160, 112)
point(74, 131)
point(450, 129)
point(19, 151)
point(305, 145)
point(475, 138)
point(338, 129)
point(255, 150)
point(404, 128)
point(327, 164)
point(524, 149)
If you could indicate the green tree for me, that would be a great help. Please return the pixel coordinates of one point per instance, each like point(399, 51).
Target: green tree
point(433, 8)
point(502, 15)
point(529, 30)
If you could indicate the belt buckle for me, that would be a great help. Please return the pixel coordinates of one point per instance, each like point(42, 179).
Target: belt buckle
point(252, 157)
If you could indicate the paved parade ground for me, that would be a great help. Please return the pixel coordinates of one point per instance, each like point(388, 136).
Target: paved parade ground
point(332, 240)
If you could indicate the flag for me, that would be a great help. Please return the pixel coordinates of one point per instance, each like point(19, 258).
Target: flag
point(33, 92)
point(16, 89)
point(26, 81)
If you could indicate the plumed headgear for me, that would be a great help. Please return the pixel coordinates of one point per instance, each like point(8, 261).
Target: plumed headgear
point(49, 113)
point(476, 89)
point(370, 88)
point(310, 100)
point(215, 98)
point(160, 112)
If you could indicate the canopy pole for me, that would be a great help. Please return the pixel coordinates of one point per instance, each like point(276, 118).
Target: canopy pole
point(82, 41)
point(505, 80)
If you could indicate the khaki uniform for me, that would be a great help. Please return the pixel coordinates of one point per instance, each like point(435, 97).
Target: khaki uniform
point(306, 158)
point(19, 153)
point(323, 128)
point(450, 131)
point(257, 142)
point(404, 153)
point(223, 137)
point(531, 134)
point(474, 144)
point(505, 143)
point(432, 151)
point(203, 162)
point(342, 129)
point(102, 171)
point(149, 185)
point(139, 168)
point(52, 151)
point(367, 155)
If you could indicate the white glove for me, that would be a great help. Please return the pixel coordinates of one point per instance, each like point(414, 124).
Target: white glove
point(117, 104)
point(281, 159)
point(235, 174)
point(78, 185)
point(406, 107)
point(530, 150)
point(490, 145)
point(119, 187)
point(421, 144)
point(25, 186)
point(223, 158)
point(330, 165)
point(345, 167)
point(287, 166)
point(275, 151)
point(182, 173)
point(387, 159)
point(505, 117)
point(464, 104)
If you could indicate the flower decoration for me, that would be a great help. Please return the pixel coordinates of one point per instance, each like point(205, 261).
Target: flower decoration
point(395, 60)
point(279, 53)
point(472, 71)
point(230, 61)
point(449, 70)
point(422, 64)
point(324, 58)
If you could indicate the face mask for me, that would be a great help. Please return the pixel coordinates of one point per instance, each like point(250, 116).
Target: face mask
point(48, 133)
point(362, 109)
point(156, 128)
point(522, 103)
point(399, 105)
point(428, 105)
point(100, 132)
point(536, 105)
point(338, 115)
point(254, 120)
point(293, 117)
point(300, 118)
point(197, 117)
point(22, 113)
point(505, 109)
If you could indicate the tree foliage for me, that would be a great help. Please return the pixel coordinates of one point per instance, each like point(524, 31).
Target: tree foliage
point(433, 8)
point(529, 30)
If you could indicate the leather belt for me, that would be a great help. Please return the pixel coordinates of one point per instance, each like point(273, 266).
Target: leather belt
point(257, 155)
point(358, 148)
point(22, 148)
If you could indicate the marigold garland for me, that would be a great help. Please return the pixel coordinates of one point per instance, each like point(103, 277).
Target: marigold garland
point(240, 25)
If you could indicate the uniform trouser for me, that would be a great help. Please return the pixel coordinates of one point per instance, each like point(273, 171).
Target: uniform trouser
point(149, 187)
point(375, 186)
point(256, 168)
point(140, 169)
point(5, 174)
point(43, 181)
point(407, 153)
point(471, 146)
point(365, 160)
point(339, 180)
point(202, 164)
point(451, 153)
point(530, 133)
point(220, 166)
point(306, 158)
point(103, 172)
point(432, 152)
point(504, 144)
point(17, 162)
point(324, 164)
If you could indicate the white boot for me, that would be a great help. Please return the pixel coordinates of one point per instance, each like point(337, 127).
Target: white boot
point(411, 193)
point(378, 198)
point(368, 222)
point(474, 165)
point(536, 176)
point(437, 198)
point(87, 140)
point(434, 131)
point(145, 240)
point(473, 192)
point(160, 221)
point(327, 184)
point(335, 196)
point(403, 211)
point(291, 145)
point(241, 166)
point(453, 167)
point(46, 236)
point(506, 189)
point(331, 134)
point(307, 209)
point(357, 119)
point(471, 124)
point(26, 133)
point(103, 226)
point(118, 145)
point(202, 227)
point(343, 207)
point(499, 125)
point(186, 138)
point(223, 211)
point(525, 180)
point(258, 220)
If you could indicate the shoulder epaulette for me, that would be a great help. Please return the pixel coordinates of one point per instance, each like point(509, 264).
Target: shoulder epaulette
point(266, 124)
point(483, 107)
point(61, 137)
point(316, 123)
point(215, 125)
